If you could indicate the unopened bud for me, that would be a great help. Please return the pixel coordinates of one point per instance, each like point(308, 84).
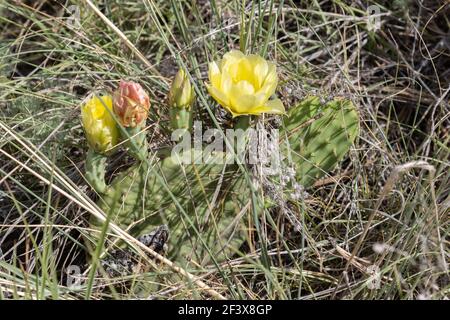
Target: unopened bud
point(181, 94)
point(180, 99)
point(131, 104)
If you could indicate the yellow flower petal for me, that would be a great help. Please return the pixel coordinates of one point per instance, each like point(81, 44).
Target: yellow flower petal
point(268, 89)
point(233, 55)
point(230, 61)
point(260, 69)
point(219, 96)
point(225, 83)
point(244, 71)
point(99, 125)
point(243, 88)
point(243, 105)
point(214, 74)
point(271, 76)
point(244, 84)
point(261, 99)
point(242, 98)
point(274, 106)
point(97, 111)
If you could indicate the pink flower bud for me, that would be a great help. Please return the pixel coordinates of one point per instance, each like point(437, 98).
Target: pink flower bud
point(131, 104)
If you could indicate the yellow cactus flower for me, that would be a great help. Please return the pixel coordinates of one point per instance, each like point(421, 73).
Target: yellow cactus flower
point(243, 84)
point(100, 127)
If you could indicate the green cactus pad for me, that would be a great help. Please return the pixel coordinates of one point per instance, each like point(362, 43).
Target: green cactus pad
point(319, 136)
point(181, 118)
point(95, 170)
point(203, 225)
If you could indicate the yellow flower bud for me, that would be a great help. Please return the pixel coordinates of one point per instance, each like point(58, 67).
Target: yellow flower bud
point(181, 94)
point(243, 84)
point(131, 104)
point(99, 125)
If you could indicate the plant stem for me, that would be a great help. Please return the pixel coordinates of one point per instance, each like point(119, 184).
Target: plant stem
point(137, 142)
point(242, 122)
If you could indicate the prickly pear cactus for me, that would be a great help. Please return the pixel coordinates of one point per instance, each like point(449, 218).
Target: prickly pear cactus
point(200, 204)
point(319, 136)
